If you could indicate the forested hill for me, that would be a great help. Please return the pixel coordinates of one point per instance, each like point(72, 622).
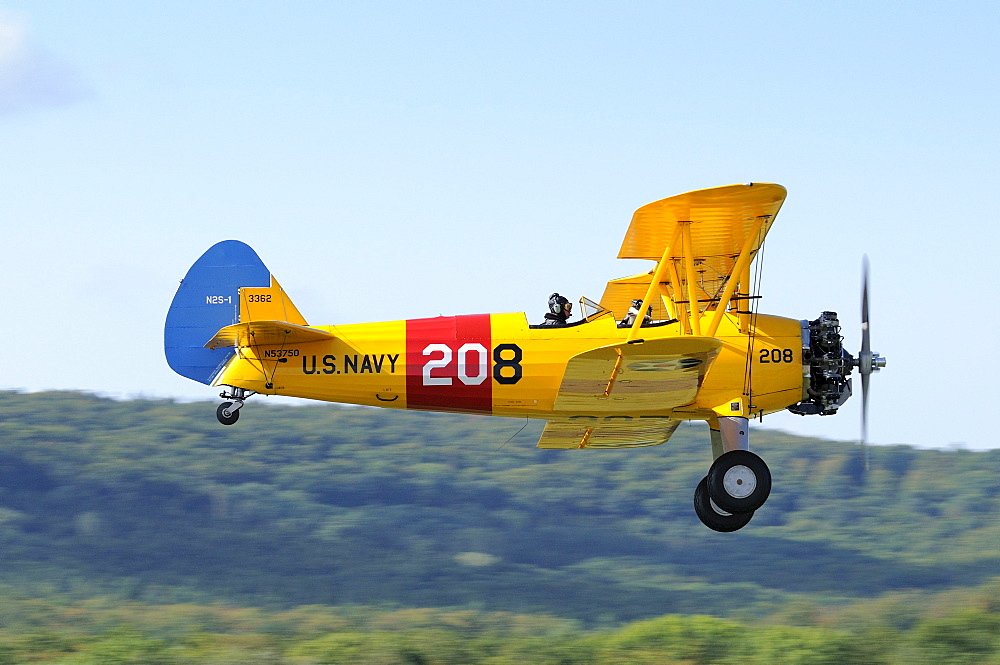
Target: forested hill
point(154, 500)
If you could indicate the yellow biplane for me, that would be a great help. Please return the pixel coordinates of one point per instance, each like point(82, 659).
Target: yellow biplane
point(681, 342)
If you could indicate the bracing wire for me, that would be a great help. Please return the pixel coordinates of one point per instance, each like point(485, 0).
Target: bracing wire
point(261, 368)
point(754, 306)
point(513, 435)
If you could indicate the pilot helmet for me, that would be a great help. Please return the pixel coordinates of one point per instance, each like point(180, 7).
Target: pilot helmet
point(636, 304)
point(556, 303)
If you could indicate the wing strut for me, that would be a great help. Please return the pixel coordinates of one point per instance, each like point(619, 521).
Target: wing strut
point(697, 239)
point(654, 283)
point(690, 314)
point(741, 264)
point(693, 311)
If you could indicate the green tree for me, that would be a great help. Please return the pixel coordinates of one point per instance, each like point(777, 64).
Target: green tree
point(124, 646)
point(969, 637)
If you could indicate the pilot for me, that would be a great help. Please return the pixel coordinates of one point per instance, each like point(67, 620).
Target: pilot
point(633, 312)
point(560, 309)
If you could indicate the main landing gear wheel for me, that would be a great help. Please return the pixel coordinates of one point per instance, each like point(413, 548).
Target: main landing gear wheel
point(714, 517)
point(225, 416)
point(739, 482)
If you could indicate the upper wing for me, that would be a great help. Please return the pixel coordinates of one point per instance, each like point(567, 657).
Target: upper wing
point(723, 220)
point(645, 376)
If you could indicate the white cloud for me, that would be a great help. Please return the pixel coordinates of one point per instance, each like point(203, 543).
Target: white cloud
point(31, 78)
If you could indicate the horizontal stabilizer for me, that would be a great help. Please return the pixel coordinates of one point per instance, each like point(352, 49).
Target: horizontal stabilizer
point(642, 376)
point(265, 333)
point(607, 432)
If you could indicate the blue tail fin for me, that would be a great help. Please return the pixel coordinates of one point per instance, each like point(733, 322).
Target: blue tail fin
point(209, 299)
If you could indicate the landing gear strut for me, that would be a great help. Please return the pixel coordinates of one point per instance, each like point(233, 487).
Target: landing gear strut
point(738, 482)
point(229, 412)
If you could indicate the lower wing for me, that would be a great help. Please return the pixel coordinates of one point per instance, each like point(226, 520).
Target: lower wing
point(607, 431)
point(609, 396)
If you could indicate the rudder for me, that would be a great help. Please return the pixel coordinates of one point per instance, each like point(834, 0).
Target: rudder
point(207, 300)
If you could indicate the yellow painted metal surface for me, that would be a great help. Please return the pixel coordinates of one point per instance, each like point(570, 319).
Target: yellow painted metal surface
point(360, 364)
point(268, 304)
point(559, 370)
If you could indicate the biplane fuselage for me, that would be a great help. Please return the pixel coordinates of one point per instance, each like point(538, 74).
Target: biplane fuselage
point(681, 342)
point(496, 364)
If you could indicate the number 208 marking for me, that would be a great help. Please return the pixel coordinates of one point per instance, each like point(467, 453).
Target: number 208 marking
point(472, 365)
point(768, 356)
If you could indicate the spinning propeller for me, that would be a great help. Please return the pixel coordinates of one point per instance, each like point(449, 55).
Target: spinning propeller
point(867, 361)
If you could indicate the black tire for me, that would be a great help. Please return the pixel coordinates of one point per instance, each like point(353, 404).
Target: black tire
point(225, 416)
point(710, 515)
point(739, 482)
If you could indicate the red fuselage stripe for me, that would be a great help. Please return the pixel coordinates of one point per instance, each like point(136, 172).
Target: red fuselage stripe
point(449, 366)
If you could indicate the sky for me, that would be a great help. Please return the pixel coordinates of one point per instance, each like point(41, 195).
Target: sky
point(393, 160)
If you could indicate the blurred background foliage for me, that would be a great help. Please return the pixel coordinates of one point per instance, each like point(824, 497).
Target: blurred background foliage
point(143, 531)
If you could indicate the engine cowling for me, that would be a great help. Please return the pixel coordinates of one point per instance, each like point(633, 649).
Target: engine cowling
point(826, 366)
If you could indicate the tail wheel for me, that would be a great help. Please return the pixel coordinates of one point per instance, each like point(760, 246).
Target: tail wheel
point(714, 517)
point(225, 416)
point(739, 482)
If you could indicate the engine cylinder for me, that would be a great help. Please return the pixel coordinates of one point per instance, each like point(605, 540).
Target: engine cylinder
point(826, 367)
